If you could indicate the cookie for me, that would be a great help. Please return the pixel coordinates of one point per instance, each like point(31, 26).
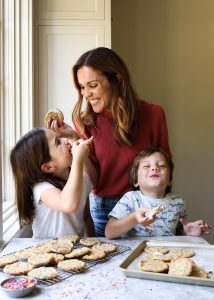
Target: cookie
point(156, 250)
point(55, 114)
point(25, 253)
point(43, 273)
point(57, 258)
point(199, 272)
point(158, 256)
point(78, 252)
point(157, 266)
point(94, 255)
point(61, 248)
point(89, 242)
point(72, 238)
point(44, 247)
point(155, 210)
point(6, 260)
point(106, 247)
point(181, 252)
point(38, 260)
point(181, 267)
point(18, 268)
point(71, 265)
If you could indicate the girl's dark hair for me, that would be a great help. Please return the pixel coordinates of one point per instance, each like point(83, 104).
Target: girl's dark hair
point(26, 159)
point(123, 108)
point(146, 153)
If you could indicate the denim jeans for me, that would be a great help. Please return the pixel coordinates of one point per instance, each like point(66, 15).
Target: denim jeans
point(100, 207)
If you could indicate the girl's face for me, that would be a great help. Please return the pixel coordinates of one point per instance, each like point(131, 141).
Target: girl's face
point(95, 88)
point(153, 175)
point(60, 151)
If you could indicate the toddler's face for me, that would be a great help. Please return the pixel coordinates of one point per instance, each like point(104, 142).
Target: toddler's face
point(153, 174)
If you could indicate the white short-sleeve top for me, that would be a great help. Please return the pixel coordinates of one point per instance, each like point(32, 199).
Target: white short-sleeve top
point(53, 223)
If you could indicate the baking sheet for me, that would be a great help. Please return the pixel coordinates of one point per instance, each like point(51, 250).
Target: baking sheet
point(204, 258)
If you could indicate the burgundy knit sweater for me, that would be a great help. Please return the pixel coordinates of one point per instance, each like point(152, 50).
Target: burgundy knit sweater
point(113, 159)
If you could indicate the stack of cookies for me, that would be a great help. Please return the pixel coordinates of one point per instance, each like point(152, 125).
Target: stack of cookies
point(175, 262)
point(44, 260)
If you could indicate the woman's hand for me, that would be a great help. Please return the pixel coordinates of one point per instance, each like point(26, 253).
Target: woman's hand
point(63, 131)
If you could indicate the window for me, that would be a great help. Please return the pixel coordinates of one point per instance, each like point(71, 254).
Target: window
point(16, 108)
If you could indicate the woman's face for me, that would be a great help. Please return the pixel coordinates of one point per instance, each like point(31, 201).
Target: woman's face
point(95, 88)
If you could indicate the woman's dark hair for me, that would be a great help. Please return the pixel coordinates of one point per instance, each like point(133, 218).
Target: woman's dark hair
point(123, 108)
point(146, 153)
point(26, 159)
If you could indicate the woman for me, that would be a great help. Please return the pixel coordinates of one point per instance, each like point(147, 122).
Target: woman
point(121, 124)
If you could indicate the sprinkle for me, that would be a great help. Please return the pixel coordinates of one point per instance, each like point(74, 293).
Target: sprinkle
point(19, 283)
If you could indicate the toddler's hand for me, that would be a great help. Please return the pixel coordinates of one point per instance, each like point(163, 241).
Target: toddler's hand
point(142, 219)
point(196, 228)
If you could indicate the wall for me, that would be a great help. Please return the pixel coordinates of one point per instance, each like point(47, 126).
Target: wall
point(168, 47)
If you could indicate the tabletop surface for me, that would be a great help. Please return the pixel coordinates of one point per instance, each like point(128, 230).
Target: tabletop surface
point(106, 281)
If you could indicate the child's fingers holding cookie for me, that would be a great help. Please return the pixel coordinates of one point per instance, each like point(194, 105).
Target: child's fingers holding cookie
point(142, 218)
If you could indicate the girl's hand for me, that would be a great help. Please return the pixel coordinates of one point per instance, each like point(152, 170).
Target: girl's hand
point(63, 131)
point(142, 219)
point(196, 228)
point(80, 149)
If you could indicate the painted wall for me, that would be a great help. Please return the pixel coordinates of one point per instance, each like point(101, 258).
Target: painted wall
point(168, 46)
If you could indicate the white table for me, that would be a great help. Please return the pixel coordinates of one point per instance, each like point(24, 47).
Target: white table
point(106, 281)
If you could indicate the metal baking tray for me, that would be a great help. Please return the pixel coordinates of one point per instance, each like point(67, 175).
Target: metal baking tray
point(204, 258)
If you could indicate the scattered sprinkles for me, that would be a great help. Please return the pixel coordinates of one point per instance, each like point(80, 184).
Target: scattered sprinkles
point(19, 283)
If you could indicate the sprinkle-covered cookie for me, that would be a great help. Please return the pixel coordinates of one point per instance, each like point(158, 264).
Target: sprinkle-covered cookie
point(106, 247)
point(158, 256)
point(69, 238)
point(78, 252)
point(38, 260)
point(6, 260)
point(43, 273)
point(89, 242)
point(61, 248)
point(157, 266)
point(71, 265)
point(25, 253)
point(18, 268)
point(199, 272)
point(181, 252)
point(156, 250)
point(57, 258)
point(94, 255)
point(55, 114)
point(181, 267)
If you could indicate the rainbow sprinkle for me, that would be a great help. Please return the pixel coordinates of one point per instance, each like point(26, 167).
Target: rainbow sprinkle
point(19, 283)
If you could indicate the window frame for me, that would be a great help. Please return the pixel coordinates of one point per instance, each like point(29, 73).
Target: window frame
point(16, 108)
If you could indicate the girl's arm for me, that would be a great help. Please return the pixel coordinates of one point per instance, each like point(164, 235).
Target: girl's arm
point(89, 224)
point(116, 227)
point(68, 199)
